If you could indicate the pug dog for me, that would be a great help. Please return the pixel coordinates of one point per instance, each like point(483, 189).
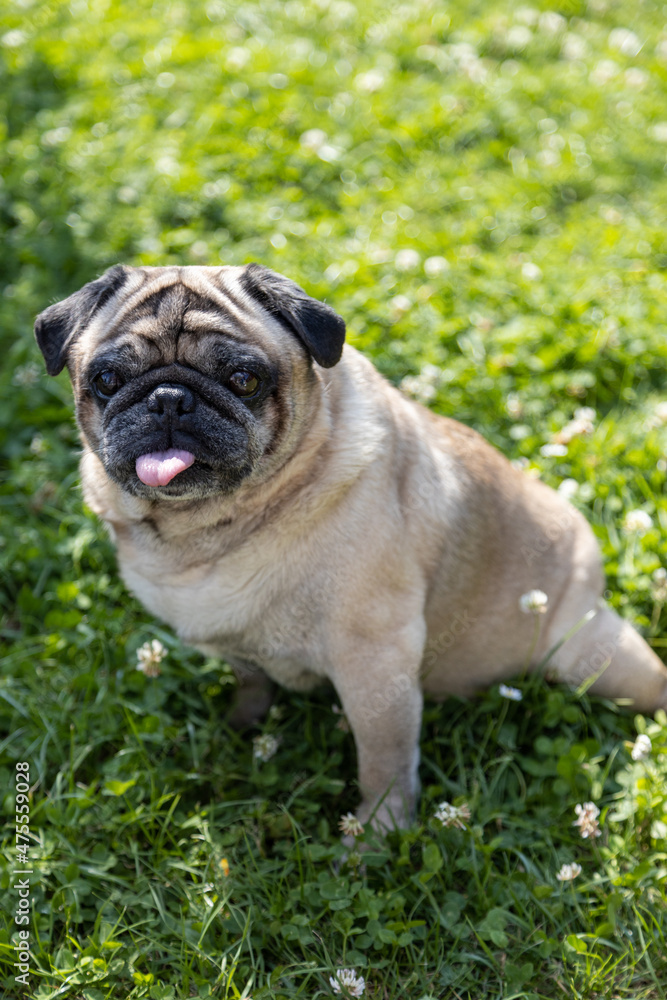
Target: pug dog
point(280, 505)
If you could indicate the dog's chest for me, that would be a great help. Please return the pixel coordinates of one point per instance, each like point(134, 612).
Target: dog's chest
point(235, 607)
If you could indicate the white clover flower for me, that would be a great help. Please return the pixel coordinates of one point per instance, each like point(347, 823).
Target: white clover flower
point(418, 388)
point(549, 158)
point(371, 81)
point(587, 820)
point(436, 265)
point(149, 657)
point(568, 872)
point(551, 23)
point(350, 825)
point(512, 694)
point(329, 153)
point(518, 37)
point(531, 271)
point(200, 249)
point(514, 406)
point(553, 450)
point(574, 46)
point(264, 747)
point(27, 375)
point(13, 39)
point(38, 445)
point(431, 373)
point(423, 386)
point(636, 77)
point(450, 815)
point(637, 520)
point(603, 72)
point(641, 748)
point(407, 260)
point(527, 15)
point(659, 585)
point(237, 57)
point(625, 41)
point(349, 980)
point(313, 139)
point(660, 413)
point(401, 303)
point(575, 428)
point(535, 602)
point(581, 424)
point(568, 488)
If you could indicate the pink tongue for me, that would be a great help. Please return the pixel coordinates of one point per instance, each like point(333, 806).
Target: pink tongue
point(160, 467)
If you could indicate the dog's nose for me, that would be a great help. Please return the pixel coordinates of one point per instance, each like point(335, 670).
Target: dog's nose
point(172, 400)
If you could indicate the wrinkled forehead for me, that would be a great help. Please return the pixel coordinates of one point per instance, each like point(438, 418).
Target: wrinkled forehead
point(175, 309)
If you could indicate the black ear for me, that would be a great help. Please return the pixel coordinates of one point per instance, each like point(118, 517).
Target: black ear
point(316, 324)
point(60, 325)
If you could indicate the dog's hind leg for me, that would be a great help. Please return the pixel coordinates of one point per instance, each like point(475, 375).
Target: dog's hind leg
point(609, 649)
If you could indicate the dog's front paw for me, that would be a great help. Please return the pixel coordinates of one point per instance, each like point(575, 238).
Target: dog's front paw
point(391, 813)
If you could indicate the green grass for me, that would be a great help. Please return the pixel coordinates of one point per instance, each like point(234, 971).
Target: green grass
point(527, 156)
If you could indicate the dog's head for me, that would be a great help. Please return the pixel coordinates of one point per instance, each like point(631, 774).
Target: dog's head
point(187, 379)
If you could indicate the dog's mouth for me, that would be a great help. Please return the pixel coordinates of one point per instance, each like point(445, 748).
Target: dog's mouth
point(178, 474)
point(175, 434)
point(158, 468)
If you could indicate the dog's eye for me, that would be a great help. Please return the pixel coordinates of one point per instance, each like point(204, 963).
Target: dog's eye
point(106, 384)
point(243, 383)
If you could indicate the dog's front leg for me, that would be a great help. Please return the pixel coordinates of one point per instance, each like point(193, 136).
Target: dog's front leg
point(383, 704)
